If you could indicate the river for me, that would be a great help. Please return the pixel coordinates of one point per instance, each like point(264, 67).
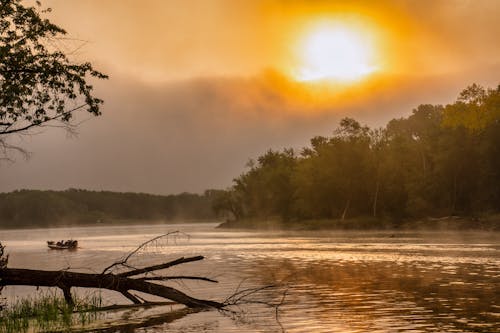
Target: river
point(329, 281)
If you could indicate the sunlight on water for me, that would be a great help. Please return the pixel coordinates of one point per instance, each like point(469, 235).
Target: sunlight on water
point(337, 282)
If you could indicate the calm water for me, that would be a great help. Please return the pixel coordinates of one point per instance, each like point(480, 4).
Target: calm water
point(336, 282)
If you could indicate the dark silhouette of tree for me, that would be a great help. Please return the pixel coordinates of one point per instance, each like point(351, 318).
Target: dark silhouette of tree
point(227, 204)
point(438, 161)
point(41, 208)
point(39, 83)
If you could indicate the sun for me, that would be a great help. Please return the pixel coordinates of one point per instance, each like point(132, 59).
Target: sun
point(336, 52)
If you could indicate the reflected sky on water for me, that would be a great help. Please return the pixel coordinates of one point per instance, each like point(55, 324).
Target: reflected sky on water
point(335, 281)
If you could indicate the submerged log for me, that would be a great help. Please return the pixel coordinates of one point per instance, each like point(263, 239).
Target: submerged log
point(66, 280)
point(135, 279)
point(121, 282)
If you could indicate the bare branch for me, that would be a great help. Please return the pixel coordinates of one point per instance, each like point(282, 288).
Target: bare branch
point(240, 295)
point(39, 124)
point(123, 261)
point(127, 306)
point(131, 297)
point(161, 266)
point(6, 149)
point(180, 277)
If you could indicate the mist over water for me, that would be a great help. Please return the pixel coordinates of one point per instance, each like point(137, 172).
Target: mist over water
point(337, 282)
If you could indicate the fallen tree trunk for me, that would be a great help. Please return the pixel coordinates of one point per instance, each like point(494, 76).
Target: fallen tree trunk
point(132, 279)
point(136, 279)
point(122, 284)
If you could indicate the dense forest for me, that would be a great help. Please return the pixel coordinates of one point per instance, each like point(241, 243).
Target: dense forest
point(439, 161)
point(51, 208)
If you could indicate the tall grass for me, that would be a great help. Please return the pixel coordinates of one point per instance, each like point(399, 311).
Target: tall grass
point(48, 312)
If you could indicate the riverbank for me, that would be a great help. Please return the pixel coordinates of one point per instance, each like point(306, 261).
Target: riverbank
point(488, 223)
point(6, 225)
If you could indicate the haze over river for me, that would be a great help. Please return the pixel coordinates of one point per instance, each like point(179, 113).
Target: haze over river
point(337, 281)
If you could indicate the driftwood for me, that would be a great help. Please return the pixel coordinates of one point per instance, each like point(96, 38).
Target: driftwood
point(66, 280)
point(122, 282)
point(139, 279)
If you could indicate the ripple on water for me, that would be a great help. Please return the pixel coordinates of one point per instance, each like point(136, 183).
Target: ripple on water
point(337, 282)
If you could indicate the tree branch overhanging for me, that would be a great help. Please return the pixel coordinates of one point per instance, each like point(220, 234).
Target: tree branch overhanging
point(41, 83)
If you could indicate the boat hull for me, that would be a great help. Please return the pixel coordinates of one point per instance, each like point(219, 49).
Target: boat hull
point(54, 246)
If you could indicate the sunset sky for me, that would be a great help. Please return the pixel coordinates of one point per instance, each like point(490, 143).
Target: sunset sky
point(197, 87)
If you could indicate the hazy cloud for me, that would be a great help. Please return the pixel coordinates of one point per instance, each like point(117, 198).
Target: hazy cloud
point(190, 100)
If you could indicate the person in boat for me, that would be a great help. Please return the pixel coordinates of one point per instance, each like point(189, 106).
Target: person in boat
point(66, 244)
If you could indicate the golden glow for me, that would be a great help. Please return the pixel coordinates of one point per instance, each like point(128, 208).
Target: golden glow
point(336, 52)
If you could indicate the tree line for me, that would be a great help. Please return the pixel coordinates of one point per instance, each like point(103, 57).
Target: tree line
point(74, 206)
point(439, 161)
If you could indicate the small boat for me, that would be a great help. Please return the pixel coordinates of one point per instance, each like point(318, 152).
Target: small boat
point(63, 245)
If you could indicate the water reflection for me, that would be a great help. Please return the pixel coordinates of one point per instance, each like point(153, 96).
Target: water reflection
point(347, 282)
point(391, 297)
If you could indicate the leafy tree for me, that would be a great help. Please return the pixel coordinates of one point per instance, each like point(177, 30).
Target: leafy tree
point(267, 189)
point(475, 109)
point(475, 118)
point(439, 161)
point(336, 174)
point(39, 83)
point(352, 144)
point(378, 142)
point(413, 148)
point(228, 203)
point(40, 208)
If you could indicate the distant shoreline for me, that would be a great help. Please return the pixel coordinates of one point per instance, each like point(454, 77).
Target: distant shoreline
point(76, 207)
point(491, 223)
point(114, 223)
point(360, 224)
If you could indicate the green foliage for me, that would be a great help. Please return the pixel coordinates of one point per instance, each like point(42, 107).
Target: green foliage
point(335, 168)
point(439, 161)
point(228, 204)
point(38, 82)
point(48, 313)
point(267, 188)
point(476, 109)
point(50, 208)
